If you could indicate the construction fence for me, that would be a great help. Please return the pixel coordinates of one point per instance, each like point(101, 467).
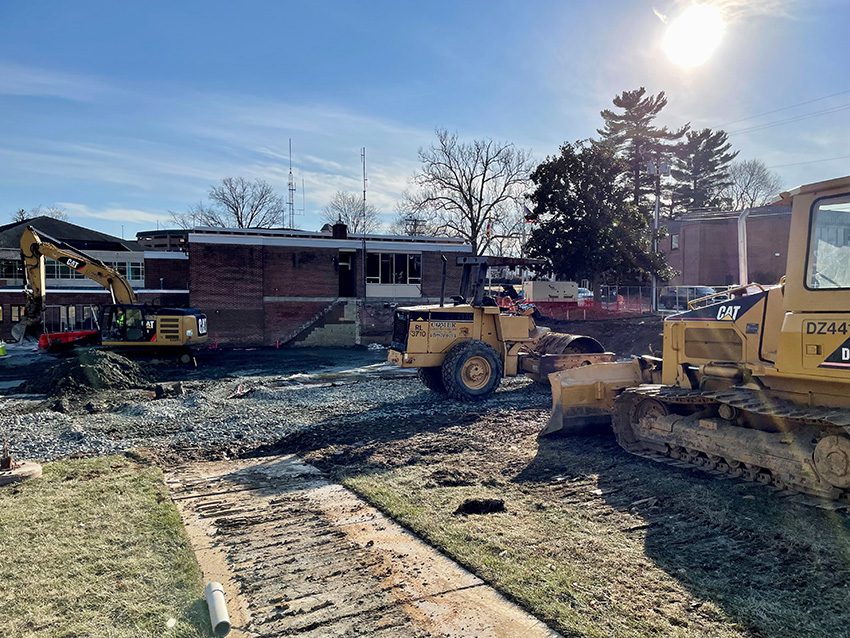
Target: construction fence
point(627, 301)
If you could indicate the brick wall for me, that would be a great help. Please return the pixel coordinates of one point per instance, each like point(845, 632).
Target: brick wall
point(226, 283)
point(170, 273)
point(432, 268)
point(708, 250)
point(300, 273)
point(767, 236)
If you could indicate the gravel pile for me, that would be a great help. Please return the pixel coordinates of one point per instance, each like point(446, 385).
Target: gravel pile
point(213, 419)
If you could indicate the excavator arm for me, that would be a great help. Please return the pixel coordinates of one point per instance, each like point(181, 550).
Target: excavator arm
point(35, 247)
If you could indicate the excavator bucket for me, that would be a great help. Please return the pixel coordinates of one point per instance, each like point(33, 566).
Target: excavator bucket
point(583, 397)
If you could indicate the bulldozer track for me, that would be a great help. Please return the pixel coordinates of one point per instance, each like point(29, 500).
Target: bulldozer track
point(828, 420)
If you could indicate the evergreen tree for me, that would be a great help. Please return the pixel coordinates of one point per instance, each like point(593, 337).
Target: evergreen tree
point(588, 228)
point(702, 170)
point(634, 137)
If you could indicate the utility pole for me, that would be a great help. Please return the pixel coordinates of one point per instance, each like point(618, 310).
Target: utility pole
point(658, 168)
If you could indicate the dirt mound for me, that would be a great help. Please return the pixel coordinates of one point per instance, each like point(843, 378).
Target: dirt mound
point(627, 336)
point(88, 370)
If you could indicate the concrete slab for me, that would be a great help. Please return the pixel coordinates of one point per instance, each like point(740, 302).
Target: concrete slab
point(302, 556)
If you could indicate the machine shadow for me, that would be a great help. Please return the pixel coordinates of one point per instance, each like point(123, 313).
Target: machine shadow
point(776, 567)
point(343, 447)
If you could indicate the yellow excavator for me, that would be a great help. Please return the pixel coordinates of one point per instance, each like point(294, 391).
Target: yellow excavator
point(124, 324)
point(755, 384)
point(463, 348)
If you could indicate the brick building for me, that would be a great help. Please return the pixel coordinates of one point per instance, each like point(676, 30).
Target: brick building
point(158, 277)
point(702, 247)
point(257, 286)
point(301, 287)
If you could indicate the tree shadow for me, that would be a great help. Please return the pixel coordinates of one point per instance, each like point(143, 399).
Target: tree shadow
point(776, 567)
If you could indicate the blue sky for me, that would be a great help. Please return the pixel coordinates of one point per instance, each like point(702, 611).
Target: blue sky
point(120, 112)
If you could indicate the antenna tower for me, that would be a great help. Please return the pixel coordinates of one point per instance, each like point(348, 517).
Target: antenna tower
point(291, 203)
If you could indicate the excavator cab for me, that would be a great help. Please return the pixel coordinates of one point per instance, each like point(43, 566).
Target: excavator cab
point(135, 325)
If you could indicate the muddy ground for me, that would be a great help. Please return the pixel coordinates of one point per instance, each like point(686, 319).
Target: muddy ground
point(592, 540)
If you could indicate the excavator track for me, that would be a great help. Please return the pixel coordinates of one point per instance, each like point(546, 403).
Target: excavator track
point(805, 454)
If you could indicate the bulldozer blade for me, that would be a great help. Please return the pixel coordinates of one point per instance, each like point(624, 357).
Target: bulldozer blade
point(582, 398)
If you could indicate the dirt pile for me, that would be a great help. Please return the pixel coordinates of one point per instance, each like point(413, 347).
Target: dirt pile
point(88, 370)
point(627, 336)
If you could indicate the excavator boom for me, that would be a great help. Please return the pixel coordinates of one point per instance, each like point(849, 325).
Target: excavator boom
point(35, 247)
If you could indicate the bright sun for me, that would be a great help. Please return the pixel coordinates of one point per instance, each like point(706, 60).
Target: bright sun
point(694, 35)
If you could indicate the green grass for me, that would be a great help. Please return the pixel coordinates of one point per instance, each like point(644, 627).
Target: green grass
point(96, 548)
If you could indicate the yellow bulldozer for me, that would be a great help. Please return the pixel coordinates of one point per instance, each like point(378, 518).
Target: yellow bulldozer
point(755, 384)
point(125, 324)
point(464, 348)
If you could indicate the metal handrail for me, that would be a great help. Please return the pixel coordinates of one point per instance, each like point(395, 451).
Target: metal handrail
point(694, 303)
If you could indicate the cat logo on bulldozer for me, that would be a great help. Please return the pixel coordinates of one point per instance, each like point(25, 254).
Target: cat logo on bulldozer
point(728, 313)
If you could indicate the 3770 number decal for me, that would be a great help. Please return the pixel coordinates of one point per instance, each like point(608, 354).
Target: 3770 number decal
point(826, 328)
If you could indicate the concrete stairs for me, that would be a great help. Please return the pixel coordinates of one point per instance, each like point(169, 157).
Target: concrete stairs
point(335, 326)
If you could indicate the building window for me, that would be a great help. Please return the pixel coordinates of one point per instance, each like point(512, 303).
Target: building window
point(11, 269)
point(137, 271)
point(1, 314)
point(674, 242)
point(393, 268)
point(16, 313)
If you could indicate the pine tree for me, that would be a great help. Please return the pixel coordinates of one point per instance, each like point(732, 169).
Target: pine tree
point(588, 228)
point(701, 169)
point(637, 140)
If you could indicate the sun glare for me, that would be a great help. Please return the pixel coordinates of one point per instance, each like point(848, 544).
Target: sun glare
point(694, 35)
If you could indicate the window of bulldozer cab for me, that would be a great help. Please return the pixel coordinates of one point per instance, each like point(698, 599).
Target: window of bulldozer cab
point(828, 264)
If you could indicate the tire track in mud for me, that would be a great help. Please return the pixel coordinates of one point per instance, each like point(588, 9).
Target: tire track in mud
point(309, 558)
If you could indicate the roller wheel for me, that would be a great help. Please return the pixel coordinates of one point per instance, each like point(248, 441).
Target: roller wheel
point(432, 378)
point(471, 371)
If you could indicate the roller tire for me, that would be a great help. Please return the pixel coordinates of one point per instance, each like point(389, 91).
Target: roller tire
point(432, 378)
point(471, 371)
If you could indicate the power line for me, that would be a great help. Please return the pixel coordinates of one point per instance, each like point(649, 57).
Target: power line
point(816, 161)
point(796, 118)
point(784, 108)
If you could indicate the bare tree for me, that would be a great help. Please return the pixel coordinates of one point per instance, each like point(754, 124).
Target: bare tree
point(236, 203)
point(469, 188)
point(348, 208)
point(55, 212)
point(506, 235)
point(411, 224)
point(752, 184)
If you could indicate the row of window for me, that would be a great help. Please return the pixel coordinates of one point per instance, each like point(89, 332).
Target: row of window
point(59, 318)
point(393, 268)
point(15, 313)
point(13, 269)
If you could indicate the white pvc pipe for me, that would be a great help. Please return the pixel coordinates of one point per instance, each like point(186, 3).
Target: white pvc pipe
point(220, 620)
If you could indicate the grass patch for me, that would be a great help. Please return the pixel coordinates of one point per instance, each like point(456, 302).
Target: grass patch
point(96, 548)
point(703, 562)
